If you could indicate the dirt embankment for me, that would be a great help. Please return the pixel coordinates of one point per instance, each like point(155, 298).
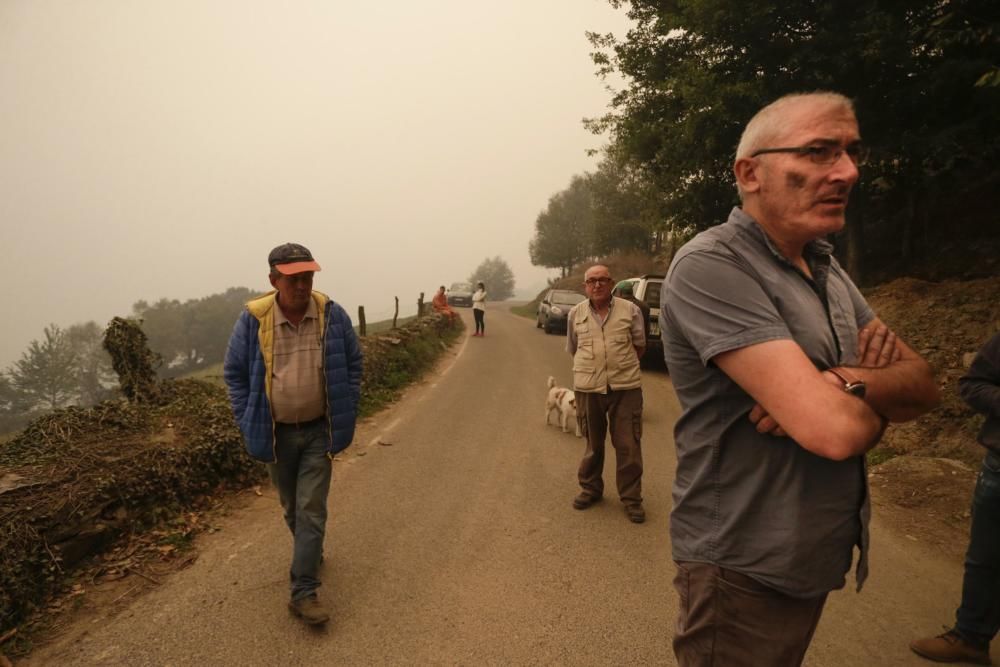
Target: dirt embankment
point(928, 467)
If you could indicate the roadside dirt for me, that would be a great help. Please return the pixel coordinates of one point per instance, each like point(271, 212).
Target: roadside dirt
point(925, 470)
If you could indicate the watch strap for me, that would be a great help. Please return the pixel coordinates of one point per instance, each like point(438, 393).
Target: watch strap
point(852, 384)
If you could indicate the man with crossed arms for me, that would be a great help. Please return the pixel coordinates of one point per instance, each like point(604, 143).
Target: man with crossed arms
point(786, 378)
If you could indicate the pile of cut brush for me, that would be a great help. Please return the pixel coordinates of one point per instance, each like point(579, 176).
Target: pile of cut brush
point(77, 479)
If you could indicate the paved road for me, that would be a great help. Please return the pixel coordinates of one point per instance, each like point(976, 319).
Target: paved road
point(455, 543)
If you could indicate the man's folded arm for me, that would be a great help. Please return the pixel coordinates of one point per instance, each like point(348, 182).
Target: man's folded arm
point(902, 390)
point(818, 415)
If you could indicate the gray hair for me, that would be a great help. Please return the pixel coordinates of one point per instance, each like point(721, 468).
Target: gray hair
point(768, 123)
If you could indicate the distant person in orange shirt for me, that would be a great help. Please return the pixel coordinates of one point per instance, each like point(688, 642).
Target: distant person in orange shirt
point(440, 304)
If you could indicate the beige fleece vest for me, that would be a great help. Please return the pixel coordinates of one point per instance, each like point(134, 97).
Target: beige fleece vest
point(605, 357)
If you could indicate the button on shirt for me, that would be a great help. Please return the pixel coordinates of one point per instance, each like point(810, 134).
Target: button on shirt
point(297, 391)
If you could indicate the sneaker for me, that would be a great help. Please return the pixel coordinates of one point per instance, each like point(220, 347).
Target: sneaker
point(635, 513)
point(310, 610)
point(950, 647)
point(584, 500)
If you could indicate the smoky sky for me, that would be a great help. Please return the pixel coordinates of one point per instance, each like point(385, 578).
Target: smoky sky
point(160, 149)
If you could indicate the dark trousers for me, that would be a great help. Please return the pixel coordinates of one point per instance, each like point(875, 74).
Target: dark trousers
point(478, 314)
point(727, 619)
point(978, 618)
point(622, 410)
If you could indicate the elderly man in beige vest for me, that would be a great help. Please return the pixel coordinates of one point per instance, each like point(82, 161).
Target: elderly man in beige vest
point(606, 337)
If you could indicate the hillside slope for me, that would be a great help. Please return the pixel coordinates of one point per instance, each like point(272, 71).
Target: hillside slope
point(923, 487)
point(946, 322)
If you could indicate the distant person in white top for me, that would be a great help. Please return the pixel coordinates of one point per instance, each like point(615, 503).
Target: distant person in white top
point(479, 308)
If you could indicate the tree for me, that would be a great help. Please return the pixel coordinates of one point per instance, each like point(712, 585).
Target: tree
point(13, 415)
point(164, 325)
point(629, 211)
point(8, 396)
point(697, 71)
point(45, 375)
point(564, 231)
point(192, 334)
point(497, 276)
point(95, 377)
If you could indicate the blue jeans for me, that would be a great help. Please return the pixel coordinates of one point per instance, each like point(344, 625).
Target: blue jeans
point(302, 476)
point(978, 619)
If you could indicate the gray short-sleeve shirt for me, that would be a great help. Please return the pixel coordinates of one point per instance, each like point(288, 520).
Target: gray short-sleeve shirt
point(747, 501)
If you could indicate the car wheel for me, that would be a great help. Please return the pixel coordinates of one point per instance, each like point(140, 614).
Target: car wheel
point(547, 328)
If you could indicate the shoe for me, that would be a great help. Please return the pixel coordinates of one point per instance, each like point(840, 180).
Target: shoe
point(635, 513)
point(584, 500)
point(950, 647)
point(310, 610)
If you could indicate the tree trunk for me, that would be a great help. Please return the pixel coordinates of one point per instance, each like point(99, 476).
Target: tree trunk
point(907, 242)
point(856, 240)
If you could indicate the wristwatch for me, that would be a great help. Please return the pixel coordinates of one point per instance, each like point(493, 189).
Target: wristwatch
point(852, 385)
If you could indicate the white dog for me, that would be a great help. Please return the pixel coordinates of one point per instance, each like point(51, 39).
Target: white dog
point(564, 401)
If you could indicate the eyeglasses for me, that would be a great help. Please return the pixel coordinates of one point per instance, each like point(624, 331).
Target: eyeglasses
point(598, 281)
point(824, 153)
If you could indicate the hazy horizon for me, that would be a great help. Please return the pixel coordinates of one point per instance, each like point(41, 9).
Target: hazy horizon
point(160, 150)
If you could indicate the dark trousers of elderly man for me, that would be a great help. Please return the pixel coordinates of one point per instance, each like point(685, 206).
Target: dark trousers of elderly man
point(621, 411)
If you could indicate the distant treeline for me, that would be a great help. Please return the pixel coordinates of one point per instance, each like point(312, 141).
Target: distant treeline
point(69, 366)
point(925, 79)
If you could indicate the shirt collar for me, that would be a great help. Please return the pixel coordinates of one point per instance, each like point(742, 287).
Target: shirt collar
point(817, 248)
point(611, 302)
point(279, 314)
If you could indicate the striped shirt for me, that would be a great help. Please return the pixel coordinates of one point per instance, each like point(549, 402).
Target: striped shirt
point(297, 393)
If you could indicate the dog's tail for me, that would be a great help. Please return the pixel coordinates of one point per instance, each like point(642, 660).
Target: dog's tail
point(552, 382)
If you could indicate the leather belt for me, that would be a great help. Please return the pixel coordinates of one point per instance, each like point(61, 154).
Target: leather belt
point(300, 425)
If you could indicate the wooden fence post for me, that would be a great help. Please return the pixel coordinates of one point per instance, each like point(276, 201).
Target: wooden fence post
point(362, 327)
point(420, 305)
point(395, 314)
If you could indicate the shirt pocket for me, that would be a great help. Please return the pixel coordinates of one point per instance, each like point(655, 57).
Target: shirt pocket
point(622, 345)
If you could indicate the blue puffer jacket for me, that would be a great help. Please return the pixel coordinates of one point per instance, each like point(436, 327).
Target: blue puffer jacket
point(248, 372)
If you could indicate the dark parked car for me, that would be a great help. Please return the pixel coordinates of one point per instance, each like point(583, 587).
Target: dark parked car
point(460, 294)
point(554, 308)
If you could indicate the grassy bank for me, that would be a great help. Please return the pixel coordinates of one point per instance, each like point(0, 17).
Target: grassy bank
point(529, 310)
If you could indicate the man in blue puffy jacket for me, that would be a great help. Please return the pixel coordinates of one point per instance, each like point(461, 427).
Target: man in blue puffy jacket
point(293, 369)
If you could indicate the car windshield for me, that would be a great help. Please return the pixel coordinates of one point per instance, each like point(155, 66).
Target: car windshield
point(461, 287)
point(567, 298)
point(653, 294)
